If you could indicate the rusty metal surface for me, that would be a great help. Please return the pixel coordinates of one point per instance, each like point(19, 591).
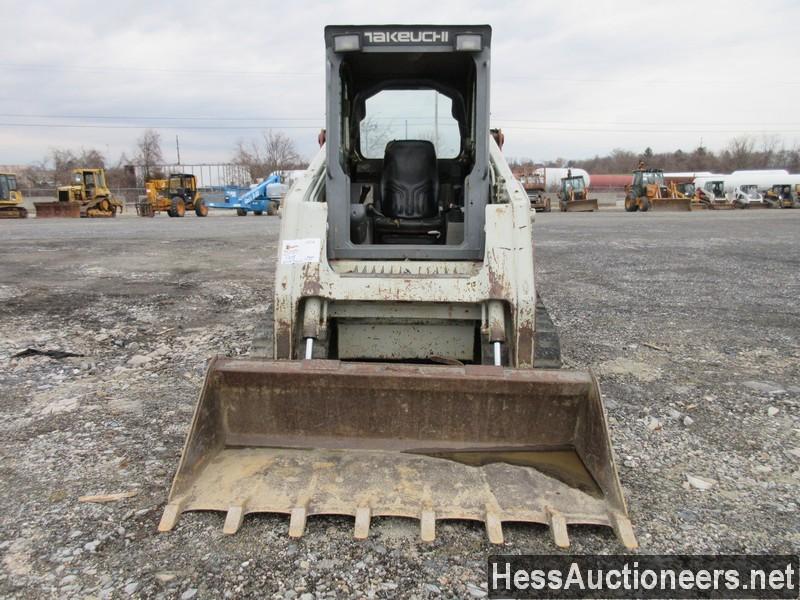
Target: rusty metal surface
point(431, 442)
point(671, 204)
point(588, 205)
point(46, 210)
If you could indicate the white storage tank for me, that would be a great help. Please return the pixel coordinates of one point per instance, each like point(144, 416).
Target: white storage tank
point(763, 179)
point(554, 175)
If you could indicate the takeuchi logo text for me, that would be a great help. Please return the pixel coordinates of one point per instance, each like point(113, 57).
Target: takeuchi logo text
point(416, 37)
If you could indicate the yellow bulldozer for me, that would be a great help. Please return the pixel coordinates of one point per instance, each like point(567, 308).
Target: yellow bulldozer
point(174, 196)
point(410, 370)
point(648, 191)
point(87, 196)
point(11, 198)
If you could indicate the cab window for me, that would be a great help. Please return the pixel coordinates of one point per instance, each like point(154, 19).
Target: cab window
point(418, 114)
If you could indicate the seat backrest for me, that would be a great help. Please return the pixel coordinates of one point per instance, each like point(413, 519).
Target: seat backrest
point(410, 180)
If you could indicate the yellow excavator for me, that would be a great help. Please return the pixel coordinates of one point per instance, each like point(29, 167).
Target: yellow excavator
point(408, 369)
point(87, 196)
point(11, 198)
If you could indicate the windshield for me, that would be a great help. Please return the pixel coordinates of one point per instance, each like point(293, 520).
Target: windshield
point(423, 114)
point(577, 184)
point(649, 177)
point(175, 184)
point(4, 188)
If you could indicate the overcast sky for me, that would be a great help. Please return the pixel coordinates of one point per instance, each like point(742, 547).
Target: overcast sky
point(570, 79)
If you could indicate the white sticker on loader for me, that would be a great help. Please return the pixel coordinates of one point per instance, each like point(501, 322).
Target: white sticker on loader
point(306, 250)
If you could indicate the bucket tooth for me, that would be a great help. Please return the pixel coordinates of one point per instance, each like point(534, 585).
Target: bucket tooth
point(558, 526)
point(427, 523)
point(171, 513)
point(363, 516)
point(624, 530)
point(494, 528)
point(297, 522)
point(234, 519)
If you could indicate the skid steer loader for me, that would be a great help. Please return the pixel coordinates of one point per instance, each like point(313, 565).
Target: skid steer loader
point(648, 191)
point(781, 196)
point(403, 375)
point(11, 198)
point(574, 196)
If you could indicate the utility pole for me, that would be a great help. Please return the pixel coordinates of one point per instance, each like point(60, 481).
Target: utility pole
point(178, 148)
point(406, 128)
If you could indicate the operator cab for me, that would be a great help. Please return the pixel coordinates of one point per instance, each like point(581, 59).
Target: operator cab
point(407, 141)
point(784, 191)
point(407, 152)
point(750, 190)
point(8, 184)
point(88, 179)
point(578, 184)
point(651, 177)
point(715, 188)
point(181, 184)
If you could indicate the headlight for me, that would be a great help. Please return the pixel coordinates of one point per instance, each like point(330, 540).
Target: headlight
point(469, 42)
point(346, 43)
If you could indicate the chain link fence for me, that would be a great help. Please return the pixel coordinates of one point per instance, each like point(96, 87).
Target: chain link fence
point(129, 196)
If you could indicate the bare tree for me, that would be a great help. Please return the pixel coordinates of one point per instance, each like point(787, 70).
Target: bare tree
point(276, 152)
point(375, 136)
point(37, 175)
point(702, 160)
point(65, 160)
point(148, 151)
point(739, 153)
point(772, 148)
point(248, 155)
point(122, 174)
point(280, 153)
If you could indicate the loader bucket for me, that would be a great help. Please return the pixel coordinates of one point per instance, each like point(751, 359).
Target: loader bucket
point(671, 204)
point(429, 442)
point(46, 210)
point(145, 209)
point(582, 205)
point(722, 206)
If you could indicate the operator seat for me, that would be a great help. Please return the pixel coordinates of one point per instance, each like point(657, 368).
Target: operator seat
point(409, 207)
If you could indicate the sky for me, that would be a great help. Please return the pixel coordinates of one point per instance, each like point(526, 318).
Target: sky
point(569, 78)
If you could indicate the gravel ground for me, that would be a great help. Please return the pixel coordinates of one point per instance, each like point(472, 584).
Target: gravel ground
point(691, 322)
